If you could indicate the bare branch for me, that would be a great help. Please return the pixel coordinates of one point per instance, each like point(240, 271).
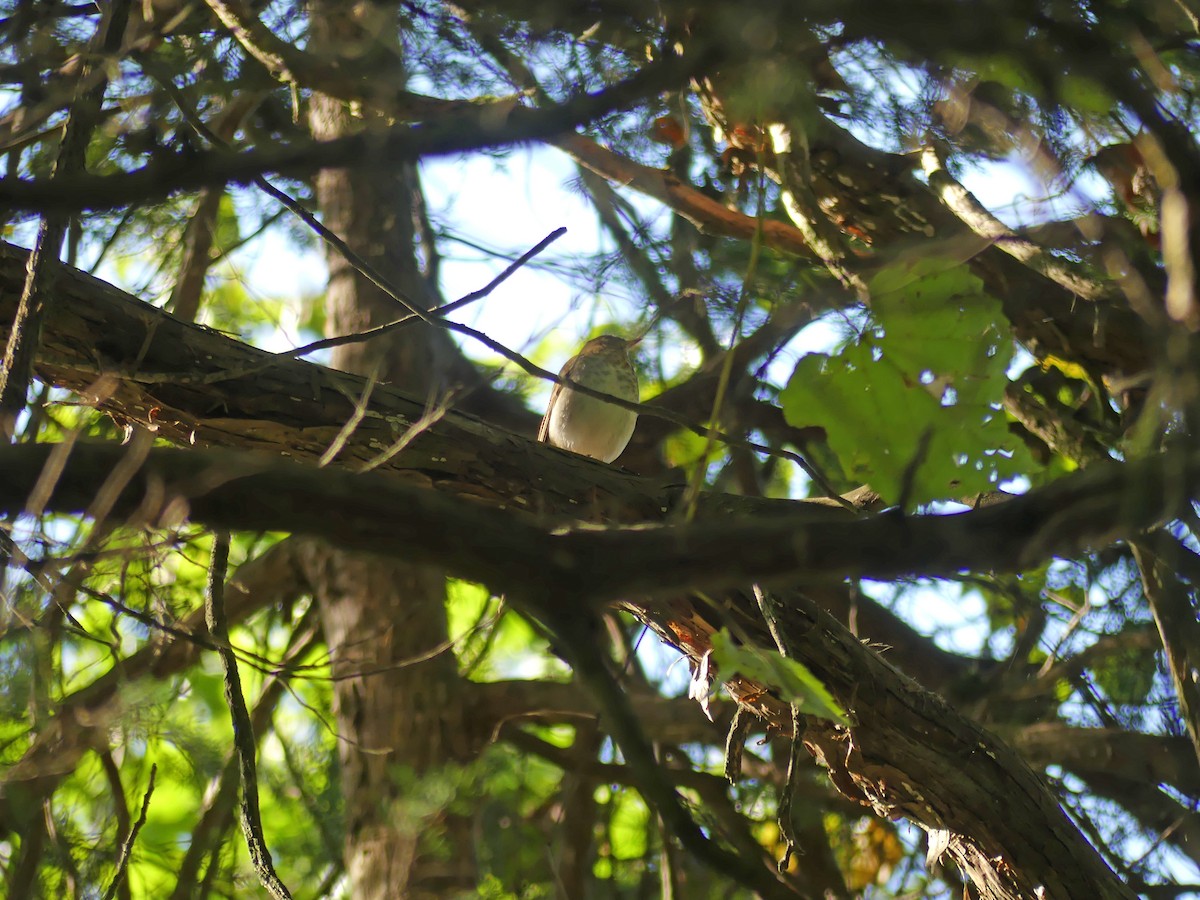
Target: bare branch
point(215, 817)
point(127, 846)
point(1175, 615)
point(471, 128)
point(510, 550)
point(975, 216)
point(243, 727)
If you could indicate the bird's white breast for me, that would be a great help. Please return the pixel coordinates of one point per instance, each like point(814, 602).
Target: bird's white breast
point(588, 425)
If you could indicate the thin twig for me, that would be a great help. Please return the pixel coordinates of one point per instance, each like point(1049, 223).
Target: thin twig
point(471, 129)
point(433, 414)
point(120, 807)
point(787, 827)
point(1174, 613)
point(127, 846)
point(218, 813)
point(735, 744)
point(697, 480)
point(243, 728)
point(439, 311)
point(347, 429)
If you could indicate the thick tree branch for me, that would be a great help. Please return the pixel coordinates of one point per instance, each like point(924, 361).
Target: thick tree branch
point(976, 216)
point(898, 730)
point(195, 386)
point(512, 550)
point(1141, 759)
point(466, 127)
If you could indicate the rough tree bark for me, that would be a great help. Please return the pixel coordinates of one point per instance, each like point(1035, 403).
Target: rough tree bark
point(403, 718)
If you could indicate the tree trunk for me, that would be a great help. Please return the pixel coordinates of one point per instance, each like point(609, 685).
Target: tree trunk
point(397, 695)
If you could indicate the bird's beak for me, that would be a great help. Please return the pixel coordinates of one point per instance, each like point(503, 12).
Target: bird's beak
point(633, 343)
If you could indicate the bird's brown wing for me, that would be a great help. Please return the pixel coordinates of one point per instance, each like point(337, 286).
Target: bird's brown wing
point(544, 428)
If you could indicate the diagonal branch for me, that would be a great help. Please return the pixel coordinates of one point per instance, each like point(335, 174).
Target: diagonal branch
point(574, 633)
point(213, 821)
point(127, 845)
point(1175, 614)
point(898, 730)
point(465, 127)
point(204, 368)
point(979, 219)
point(243, 728)
point(709, 215)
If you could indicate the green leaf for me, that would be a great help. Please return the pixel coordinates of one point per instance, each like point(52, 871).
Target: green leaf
point(793, 680)
point(230, 307)
point(941, 329)
point(1004, 69)
point(684, 448)
point(1086, 94)
point(913, 407)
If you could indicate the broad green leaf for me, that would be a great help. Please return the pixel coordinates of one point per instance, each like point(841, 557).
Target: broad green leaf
point(1005, 69)
point(208, 688)
point(466, 604)
point(230, 307)
point(942, 330)
point(1086, 94)
point(793, 680)
point(913, 407)
point(684, 448)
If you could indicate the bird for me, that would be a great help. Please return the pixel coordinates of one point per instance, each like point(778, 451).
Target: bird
point(587, 425)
